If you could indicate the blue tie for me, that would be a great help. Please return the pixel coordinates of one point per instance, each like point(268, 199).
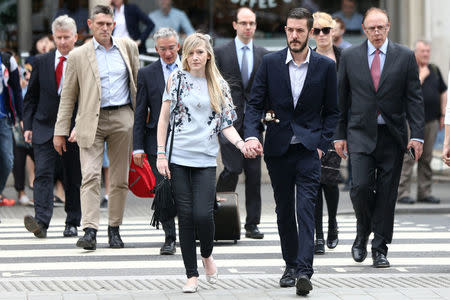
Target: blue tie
point(244, 67)
point(171, 67)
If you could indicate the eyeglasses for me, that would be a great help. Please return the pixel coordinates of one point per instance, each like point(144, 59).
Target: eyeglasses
point(245, 24)
point(380, 28)
point(325, 30)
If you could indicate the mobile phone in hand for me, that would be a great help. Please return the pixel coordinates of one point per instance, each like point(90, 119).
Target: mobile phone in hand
point(412, 153)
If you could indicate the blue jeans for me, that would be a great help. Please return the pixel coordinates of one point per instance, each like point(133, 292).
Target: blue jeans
point(6, 151)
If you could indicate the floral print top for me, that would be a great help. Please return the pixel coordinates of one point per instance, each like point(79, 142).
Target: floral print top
point(196, 123)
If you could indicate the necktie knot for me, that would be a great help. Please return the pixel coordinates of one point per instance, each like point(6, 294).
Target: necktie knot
point(171, 67)
point(377, 51)
point(62, 58)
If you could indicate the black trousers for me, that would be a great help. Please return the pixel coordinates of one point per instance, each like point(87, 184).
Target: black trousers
point(331, 193)
point(20, 159)
point(234, 162)
point(194, 191)
point(374, 188)
point(295, 178)
point(168, 226)
point(45, 160)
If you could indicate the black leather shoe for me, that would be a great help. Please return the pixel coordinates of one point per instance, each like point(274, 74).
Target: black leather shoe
point(380, 260)
point(359, 248)
point(70, 230)
point(252, 232)
point(288, 278)
point(34, 226)
point(303, 285)
point(89, 240)
point(114, 239)
point(332, 238)
point(430, 199)
point(405, 200)
point(319, 247)
point(168, 248)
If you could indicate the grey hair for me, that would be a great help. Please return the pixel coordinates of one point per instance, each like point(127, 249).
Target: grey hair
point(423, 41)
point(101, 9)
point(165, 32)
point(64, 22)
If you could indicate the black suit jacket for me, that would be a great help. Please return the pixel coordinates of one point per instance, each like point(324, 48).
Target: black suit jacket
point(42, 100)
point(227, 62)
point(133, 16)
point(312, 120)
point(398, 98)
point(150, 89)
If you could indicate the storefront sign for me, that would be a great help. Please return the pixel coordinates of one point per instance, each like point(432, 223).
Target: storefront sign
point(260, 4)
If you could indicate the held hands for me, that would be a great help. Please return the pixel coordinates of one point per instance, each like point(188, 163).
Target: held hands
point(418, 148)
point(446, 154)
point(163, 165)
point(59, 142)
point(252, 148)
point(138, 159)
point(341, 148)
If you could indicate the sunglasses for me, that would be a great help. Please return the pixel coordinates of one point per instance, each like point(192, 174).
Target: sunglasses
point(325, 30)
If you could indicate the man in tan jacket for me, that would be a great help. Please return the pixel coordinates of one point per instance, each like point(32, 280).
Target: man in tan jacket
point(101, 75)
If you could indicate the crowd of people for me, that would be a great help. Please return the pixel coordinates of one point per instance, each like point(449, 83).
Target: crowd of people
point(371, 102)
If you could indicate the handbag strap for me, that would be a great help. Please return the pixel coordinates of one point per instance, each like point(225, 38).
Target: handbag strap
point(173, 117)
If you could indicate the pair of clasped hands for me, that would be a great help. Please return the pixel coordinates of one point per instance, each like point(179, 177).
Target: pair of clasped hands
point(252, 148)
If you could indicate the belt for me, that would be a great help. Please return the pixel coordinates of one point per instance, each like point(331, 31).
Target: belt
point(114, 107)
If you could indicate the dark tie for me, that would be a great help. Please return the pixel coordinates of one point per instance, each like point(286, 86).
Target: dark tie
point(244, 67)
point(59, 71)
point(375, 69)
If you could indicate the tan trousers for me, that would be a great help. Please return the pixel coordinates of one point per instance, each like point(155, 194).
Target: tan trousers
point(116, 128)
point(424, 172)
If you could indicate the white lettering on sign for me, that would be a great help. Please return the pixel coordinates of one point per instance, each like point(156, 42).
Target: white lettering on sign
point(261, 4)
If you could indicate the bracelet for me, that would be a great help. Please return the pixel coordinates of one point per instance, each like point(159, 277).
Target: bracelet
point(161, 146)
point(161, 158)
point(161, 152)
point(235, 143)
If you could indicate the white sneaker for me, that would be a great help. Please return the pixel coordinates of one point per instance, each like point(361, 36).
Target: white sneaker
point(24, 200)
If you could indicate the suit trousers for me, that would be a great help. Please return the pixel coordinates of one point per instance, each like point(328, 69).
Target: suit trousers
point(168, 226)
point(295, 178)
point(374, 188)
point(45, 160)
point(116, 128)
point(234, 163)
point(424, 172)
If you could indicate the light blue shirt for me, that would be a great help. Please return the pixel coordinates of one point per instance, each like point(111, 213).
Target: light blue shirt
point(175, 19)
point(113, 75)
point(166, 71)
point(371, 55)
point(240, 53)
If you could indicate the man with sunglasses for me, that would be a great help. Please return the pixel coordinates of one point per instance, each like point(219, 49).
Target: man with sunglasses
point(379, 89)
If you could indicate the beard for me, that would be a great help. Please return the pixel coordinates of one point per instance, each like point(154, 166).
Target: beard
point(298, 49)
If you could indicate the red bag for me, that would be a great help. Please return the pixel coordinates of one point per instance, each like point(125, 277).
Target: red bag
point(141, 181)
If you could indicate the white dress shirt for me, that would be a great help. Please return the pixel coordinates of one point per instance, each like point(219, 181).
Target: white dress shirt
point(57, 56)
point(120, 30)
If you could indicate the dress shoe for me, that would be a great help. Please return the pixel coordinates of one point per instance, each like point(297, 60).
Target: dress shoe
point(114, 239)
point(359, 248)
point(288, 278)
point(252, 232)
point(168, 248)
point(430, 199)
point(380, 260)
point(303, 285)
point(406, 200)
point(332, 238)
point(89, 240)
point(319, 247)
point(211, 278)
point(70, 230)
point(34, 226)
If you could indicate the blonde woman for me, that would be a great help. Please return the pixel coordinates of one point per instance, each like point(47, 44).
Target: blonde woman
point(204, 109)
point(323, 27)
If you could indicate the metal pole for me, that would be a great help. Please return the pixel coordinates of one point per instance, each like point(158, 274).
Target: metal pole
point(25, 35)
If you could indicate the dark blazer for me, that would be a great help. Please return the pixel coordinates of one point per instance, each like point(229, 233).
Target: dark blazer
point(41, 101)
point(133, 16)
point(313, 119)
point(398, 98)
point(150, 89)
point(227, 62)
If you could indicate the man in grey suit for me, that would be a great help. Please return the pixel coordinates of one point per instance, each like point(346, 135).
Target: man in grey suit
point(379, 89)
point(151, 81)
point(238, 61)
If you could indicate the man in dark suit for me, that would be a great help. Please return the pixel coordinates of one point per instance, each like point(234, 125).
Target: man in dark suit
point(40, 110)
point(128, 18)
point(151, 81)
point(238, 61)
point(299, 85)
point(379, 89)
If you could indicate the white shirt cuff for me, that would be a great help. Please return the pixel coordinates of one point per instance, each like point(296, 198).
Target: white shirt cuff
point(251, 138)
point(419, 140)
point(138, 151)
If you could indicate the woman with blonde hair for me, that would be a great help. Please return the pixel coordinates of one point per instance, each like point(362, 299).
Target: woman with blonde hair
point(203, 110)
point(323, 34)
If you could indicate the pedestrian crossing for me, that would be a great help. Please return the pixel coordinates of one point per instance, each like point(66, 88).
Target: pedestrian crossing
point(415, 247)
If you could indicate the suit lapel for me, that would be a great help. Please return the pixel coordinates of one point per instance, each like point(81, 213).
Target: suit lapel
point(363, 57)
point(391, 56)
point(125, 57)
point(92, 58)
point(159, 77)
point(256, 61)
point(51, 72)
point(234, 63)
point(285, 72)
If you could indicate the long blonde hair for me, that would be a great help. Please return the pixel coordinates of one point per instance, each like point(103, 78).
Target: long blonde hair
point(213, 76)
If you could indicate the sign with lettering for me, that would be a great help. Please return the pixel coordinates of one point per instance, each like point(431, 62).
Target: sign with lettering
point(260, 4)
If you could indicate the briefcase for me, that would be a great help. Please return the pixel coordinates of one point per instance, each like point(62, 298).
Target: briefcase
point(226, 217)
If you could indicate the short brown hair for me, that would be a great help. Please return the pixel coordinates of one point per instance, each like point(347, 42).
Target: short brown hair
point(101, 9)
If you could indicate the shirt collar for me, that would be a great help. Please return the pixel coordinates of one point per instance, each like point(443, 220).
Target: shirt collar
point(97, 44)
point(289, 57)
point(58, 54)
point(239, 44)
point(371, 48)
point(177, 62)
point(120, 10)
